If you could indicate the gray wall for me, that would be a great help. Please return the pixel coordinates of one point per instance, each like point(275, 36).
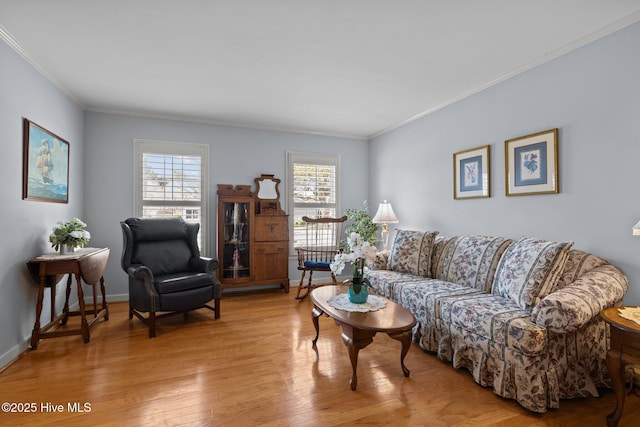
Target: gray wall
point(26, 224)
point(237, 156)
point(593, 96)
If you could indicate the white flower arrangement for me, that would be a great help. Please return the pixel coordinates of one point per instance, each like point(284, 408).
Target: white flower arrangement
point(359, 252)
point(71, 233)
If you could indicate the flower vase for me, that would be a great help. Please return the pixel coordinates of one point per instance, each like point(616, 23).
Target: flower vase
point(67, 249)
point(358, 297)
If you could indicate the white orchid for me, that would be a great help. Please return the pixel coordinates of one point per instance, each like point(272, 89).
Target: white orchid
point(359, 252)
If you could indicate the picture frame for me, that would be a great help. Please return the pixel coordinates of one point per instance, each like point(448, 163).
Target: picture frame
point(45, 165)
point(531, 164)
point(472, 173)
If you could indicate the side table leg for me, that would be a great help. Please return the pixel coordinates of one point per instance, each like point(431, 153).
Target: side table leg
point(35, 334)
point(104, 300)
point(616, 372)
point(65, 310)
point(405, 339)
point(84, 326)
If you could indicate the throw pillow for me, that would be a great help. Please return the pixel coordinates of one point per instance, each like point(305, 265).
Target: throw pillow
point(578, 263)
point(472, 261)
point(529, 269)
point(411, 252)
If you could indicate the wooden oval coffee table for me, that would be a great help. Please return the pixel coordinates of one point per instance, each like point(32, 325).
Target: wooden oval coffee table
point(358, 329)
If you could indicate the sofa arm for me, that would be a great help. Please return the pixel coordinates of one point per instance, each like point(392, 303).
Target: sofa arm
point(380, 262)
point(568, 309)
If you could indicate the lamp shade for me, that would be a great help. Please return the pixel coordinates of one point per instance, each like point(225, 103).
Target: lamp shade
point(385, 214)
point(636, 229)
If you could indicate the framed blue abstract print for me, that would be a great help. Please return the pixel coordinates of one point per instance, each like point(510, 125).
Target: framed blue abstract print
point(531, 164)
point(471, 173)
point(45, 165)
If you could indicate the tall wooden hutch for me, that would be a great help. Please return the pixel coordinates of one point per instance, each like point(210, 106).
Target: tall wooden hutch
point(253, 236)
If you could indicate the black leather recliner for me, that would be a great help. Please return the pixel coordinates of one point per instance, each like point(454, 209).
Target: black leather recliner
point(165, 269)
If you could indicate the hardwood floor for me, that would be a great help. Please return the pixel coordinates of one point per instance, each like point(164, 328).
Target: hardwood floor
point(255, 366)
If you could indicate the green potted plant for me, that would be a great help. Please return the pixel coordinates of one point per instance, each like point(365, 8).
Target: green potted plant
point(360, 222)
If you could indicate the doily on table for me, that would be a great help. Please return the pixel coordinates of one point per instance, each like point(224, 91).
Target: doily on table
point(341, 302)
point(630, 313)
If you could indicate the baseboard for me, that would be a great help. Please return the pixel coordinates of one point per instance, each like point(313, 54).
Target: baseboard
point(20, 349)
point(14, 353)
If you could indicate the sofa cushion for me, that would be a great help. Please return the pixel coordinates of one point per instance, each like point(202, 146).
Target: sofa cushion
point(529, 269)
point(411, 252)
point(472, 260)
point(424, 299)
point(495, 319)
point(387, 282)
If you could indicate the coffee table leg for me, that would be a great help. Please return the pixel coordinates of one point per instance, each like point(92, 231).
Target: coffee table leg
point(355, 339)
point(315, 313)
point(405, 339)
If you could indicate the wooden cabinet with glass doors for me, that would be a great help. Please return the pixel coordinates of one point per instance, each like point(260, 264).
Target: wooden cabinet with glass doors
point(252, 248)
point(235, 220)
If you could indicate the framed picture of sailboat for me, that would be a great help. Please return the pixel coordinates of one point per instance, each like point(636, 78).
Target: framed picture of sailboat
point(45, 165)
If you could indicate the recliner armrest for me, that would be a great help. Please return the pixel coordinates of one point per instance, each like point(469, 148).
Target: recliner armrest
point(568, 309)
point(140, 272)
point(203, 264)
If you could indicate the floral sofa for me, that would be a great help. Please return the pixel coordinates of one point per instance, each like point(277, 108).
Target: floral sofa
point(520, 315)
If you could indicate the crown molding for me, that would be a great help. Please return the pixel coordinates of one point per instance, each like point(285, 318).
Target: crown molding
point(223, 123)
point(9, 40)
point(549, 56)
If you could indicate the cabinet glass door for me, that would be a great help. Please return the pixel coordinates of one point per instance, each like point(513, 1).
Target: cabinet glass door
point(236, 237)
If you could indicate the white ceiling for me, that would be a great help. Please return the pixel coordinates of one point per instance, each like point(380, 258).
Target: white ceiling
point(340, 67)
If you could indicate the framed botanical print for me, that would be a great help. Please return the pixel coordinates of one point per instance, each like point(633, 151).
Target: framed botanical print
point(531, 164)
point(471, 173)
point(45, 165)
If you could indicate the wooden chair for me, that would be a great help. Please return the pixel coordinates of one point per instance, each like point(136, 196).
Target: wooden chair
point(321, 246)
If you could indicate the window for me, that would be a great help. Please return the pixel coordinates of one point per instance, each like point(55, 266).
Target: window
point(312, 181)
point(171, 181)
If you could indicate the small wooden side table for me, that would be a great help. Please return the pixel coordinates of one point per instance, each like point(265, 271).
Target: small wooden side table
point(625, 350)
point(47, 270)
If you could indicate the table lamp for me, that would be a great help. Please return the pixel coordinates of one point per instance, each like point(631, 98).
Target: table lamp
point(384, 216)
point(636, 229)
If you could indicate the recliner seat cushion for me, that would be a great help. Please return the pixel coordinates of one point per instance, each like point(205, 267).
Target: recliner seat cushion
point(177, 282)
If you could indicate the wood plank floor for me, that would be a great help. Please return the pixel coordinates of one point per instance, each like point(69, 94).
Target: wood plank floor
point(255, 366)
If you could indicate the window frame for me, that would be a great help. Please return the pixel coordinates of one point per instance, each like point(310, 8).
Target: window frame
point(142, 146)
point(315, 159)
